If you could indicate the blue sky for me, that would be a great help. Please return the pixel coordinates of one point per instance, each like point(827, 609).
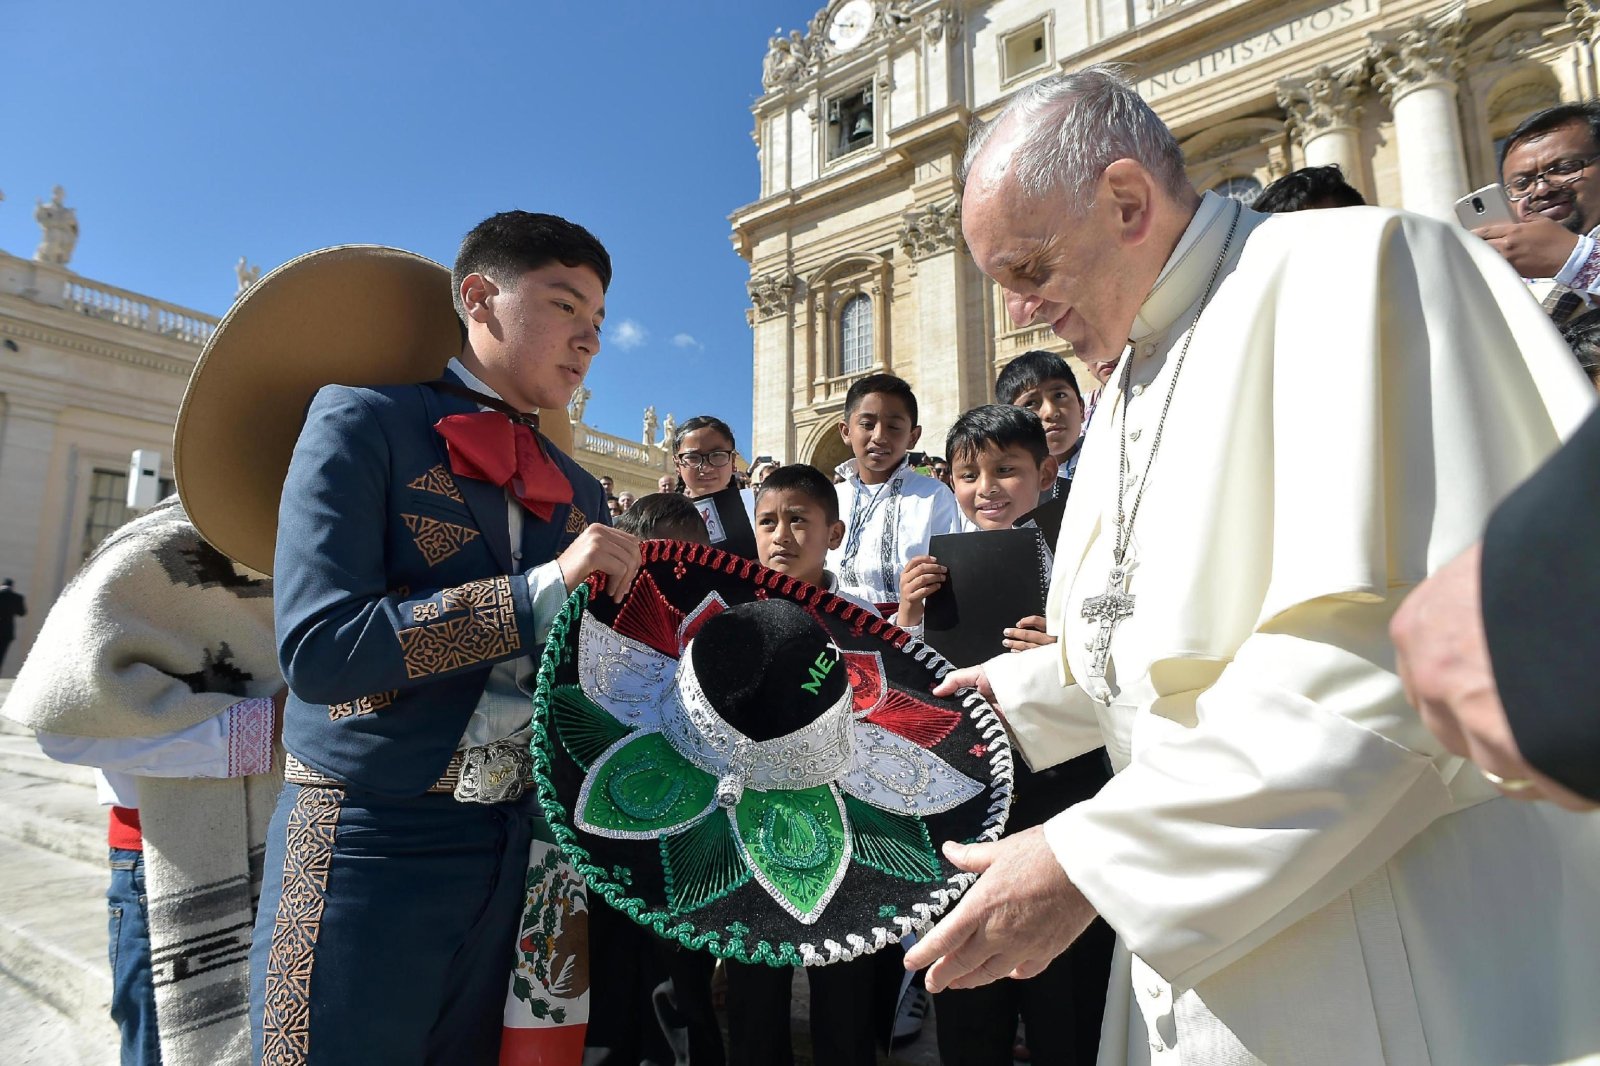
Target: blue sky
point(189, 135)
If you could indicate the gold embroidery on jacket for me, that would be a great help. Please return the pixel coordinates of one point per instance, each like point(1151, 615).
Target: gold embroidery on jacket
point(307, 858)
point(577, 521)
point(439, 482)
point(365, 705)
point(438, 540)
point(479, 624)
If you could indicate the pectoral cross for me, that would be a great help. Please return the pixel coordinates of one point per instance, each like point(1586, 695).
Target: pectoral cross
point(1108, 609)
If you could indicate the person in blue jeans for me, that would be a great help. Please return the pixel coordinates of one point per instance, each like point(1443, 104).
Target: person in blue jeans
point(133, 993)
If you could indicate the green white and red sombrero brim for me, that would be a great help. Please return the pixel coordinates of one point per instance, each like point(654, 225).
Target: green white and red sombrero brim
point(807, 849)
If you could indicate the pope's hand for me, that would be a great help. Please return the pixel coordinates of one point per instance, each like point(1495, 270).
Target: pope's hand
point(971, 677)
point(1012, 922)
point(1443, 659)
point(610, 551)
point(1538, 248)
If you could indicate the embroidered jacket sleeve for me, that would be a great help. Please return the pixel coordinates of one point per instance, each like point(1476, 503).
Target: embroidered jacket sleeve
point(342, 632)
point(1581, 271)
point(236, 743)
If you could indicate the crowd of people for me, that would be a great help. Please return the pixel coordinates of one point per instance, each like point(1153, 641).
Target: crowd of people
point(1307, 653)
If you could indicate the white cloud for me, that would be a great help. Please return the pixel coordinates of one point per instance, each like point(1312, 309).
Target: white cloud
point(627, 334)
point(686, 340)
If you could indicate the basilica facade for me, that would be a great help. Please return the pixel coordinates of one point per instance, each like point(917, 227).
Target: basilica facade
point(854, 238)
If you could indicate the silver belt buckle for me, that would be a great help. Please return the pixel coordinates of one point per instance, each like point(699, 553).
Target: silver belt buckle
point(494, 773)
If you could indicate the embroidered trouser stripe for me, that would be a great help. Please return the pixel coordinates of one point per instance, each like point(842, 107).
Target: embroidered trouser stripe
point(308, 855)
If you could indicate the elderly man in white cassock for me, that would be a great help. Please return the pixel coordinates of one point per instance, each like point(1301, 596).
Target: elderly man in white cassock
point(1311, 413)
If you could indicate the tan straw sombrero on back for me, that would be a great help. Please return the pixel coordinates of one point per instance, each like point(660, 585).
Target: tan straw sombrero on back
point(356, 314)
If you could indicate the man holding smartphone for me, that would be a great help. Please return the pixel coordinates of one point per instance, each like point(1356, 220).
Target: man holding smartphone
point(1548, 168)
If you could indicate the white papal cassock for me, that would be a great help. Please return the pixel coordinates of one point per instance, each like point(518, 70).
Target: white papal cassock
point(1300, 872)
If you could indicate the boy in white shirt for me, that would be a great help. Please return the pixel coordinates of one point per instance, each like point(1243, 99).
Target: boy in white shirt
point(889, 510)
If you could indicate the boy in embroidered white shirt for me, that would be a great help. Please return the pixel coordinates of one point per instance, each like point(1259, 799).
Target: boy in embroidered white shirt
point(889, 510)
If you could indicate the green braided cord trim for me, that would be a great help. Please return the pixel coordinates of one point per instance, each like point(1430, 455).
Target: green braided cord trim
point(896, 844)
point(701, 864)
point(586, 729)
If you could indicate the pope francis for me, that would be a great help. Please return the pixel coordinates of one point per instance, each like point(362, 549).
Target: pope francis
point(1312, 412)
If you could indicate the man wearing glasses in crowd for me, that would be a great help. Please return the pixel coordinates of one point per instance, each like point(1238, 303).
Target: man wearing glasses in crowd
point(1548, 168)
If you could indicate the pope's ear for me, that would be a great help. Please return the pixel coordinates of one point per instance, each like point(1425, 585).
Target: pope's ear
point(476, 291)
point(1129, 190)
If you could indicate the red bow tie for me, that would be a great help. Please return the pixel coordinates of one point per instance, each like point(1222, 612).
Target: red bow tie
point(487, 446)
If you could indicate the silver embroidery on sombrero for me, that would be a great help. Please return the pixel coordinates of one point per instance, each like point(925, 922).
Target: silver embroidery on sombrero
point(815, 754)
point(621, 674)
point(896, 775)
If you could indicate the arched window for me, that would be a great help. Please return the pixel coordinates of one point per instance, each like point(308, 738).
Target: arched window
point(855, 334)
point(1244, 188)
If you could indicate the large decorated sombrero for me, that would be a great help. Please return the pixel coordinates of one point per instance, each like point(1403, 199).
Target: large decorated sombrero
point(356, 314)
point(753, 767)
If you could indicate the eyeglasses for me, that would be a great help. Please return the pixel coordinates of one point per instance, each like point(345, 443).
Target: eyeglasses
point(720, 457)
point(1556, 175)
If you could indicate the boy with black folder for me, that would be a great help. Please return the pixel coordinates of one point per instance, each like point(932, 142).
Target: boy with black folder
point(1002, 471)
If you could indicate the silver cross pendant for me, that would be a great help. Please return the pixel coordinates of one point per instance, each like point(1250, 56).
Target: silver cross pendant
point(1107, 609)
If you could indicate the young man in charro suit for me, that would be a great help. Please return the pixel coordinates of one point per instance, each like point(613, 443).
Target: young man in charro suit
point(427, 537)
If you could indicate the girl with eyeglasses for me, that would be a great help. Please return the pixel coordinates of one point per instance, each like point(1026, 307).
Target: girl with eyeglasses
point(703, 451)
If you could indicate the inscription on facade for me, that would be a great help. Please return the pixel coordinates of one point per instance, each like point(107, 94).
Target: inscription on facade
point(1259, 46)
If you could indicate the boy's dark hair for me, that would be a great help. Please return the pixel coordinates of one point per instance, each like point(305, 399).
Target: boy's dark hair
point(1308, 189)
point(508, 245)
point(662, 516)
point(887, 384)
point(703, 422)
point(998, 425)
point(809, 482)
point(1551, 118)
point(1030, 370)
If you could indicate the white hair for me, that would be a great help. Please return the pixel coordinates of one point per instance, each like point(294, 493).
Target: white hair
point(1074, 126)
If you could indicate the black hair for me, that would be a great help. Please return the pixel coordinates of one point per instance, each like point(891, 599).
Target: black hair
point(1552, 118)
point(508, 245)
point(887, 384)
point(663, 516)
point(1582, 335)
point(703, 422)
point(809, 482)
point(1030, 370)
point(999, 425)
point(1307, 189)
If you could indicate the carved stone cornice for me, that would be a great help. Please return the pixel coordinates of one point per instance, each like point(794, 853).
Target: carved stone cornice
point(1584, 17)
point(930, 230)
point(1328, 100)
point(798, 57)
point(772, 294)
point(1420, 53)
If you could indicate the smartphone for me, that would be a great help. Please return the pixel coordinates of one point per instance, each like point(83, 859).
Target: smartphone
point(759, 461)
point(1489, 206)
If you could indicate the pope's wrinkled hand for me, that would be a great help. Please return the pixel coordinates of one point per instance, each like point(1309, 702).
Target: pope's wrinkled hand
point(970, 677)
point(610, 551)
point(1019, 915)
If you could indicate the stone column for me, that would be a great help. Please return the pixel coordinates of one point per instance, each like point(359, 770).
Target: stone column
point(1584, 18)
point(931, 237)
point(1325, 119)
point(772, 324)
point(1416, 69)
point(27, 441)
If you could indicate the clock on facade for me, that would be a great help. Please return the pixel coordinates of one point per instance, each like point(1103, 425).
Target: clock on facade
point(850, 24)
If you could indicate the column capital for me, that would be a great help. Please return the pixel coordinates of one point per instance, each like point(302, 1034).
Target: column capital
point(1329, 99)
point(1584, 17)
point(930, 230)
point(1420, 53)
point(772, 294)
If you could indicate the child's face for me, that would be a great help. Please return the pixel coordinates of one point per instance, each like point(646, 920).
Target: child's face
point(1056, 403)
point(880, 432)
point(700, 477)
point(793, 534)
point(994, 487)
